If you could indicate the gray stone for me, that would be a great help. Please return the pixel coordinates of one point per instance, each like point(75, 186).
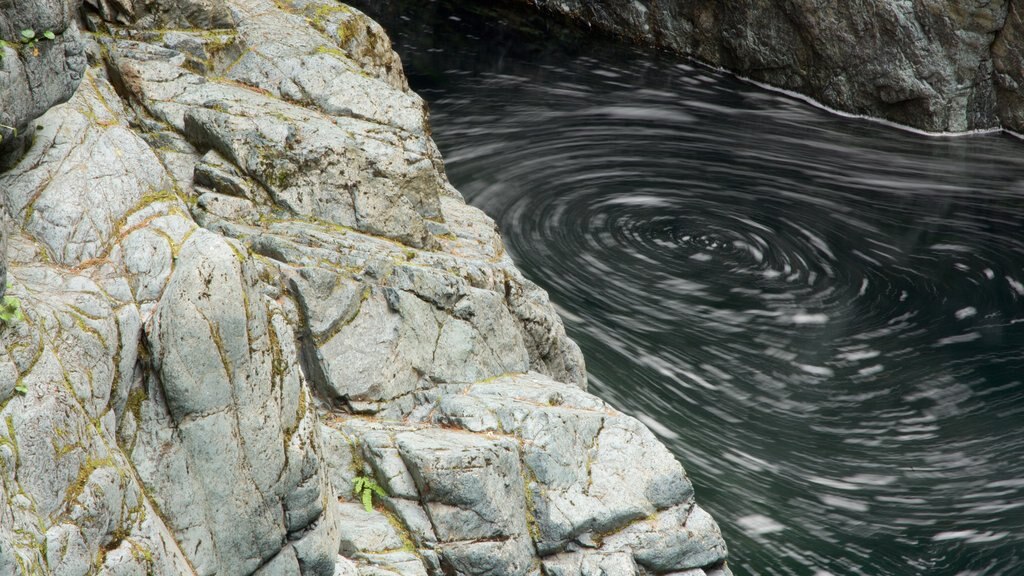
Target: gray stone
point(590, 563)
point(512, 557)
point(580, 454)
point(80, 497)
point(472, 484)
point(164, 14)
point(338, 453)
point(344, 170)
point(284, 564)
point(212, 347)
point(66, 551)
point(345, 567)
point(3, 245)
point(681, 538)
point(215, 172)
point(397, 562)
point(1008, 63)
point(365, 532)
point(361, 39)
point(87, 172)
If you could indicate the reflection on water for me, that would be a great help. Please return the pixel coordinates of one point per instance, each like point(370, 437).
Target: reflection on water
point(824, 318)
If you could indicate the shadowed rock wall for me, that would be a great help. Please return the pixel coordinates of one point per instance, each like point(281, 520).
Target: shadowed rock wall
point(938, 65)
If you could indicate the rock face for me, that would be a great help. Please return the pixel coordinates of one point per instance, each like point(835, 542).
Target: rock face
point(247, 282)
point(939, 65)
point(38, 73)
point(34, 76)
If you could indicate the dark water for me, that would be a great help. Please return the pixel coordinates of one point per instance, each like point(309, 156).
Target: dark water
point(823, 317)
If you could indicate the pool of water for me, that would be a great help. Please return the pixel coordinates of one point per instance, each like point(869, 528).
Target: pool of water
point(823, 317)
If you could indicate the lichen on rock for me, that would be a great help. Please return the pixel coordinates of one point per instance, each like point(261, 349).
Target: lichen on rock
point(247, 281)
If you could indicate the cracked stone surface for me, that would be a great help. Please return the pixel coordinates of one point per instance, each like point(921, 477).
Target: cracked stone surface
point(940, 66)
point(247, 282)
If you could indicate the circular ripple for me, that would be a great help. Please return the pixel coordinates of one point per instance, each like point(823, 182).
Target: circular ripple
point(822, 317)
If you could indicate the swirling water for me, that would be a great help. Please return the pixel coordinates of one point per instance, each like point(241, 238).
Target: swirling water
point(822, 317)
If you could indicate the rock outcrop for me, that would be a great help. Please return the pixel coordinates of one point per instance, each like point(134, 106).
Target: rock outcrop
point(950, 65)
point(247, 283)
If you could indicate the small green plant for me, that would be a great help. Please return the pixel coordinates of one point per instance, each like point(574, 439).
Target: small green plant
point(3, 49)
point(10, 310)
point(365, 487)
point(30, 39)
point(21, 389)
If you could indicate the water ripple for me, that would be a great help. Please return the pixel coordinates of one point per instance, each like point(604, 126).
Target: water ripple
point(823, 317)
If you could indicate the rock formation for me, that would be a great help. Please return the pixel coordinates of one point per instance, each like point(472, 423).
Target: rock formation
point(247, 283)
point(949, 65)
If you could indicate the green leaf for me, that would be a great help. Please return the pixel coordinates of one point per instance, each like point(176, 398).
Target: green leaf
point(365, 487)
point(28, 34)
point(368, 500)
point(10, 310)
point(21, 389)
point(49, 35)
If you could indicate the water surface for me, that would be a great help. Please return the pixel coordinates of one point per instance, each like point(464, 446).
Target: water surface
point(822, 317)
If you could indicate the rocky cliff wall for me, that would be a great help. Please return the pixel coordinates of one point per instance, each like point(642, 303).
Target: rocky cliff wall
point(938, 65)
point(246, 284)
